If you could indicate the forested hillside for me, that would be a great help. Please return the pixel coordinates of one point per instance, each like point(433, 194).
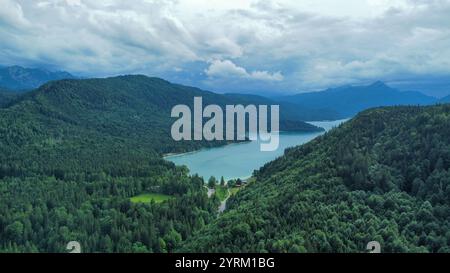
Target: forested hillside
point(74, 152)
point(383, 176)
point(6, 97)
point(77, 125)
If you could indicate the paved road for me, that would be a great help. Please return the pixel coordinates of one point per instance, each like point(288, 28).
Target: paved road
point(210, 192)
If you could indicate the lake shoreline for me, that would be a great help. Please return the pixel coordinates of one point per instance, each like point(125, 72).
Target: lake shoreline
point(239, 160)
point(174, 155)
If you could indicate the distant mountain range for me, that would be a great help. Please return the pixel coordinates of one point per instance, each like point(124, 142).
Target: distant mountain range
point(330, 104)
point(445, 99)
point(290, 110)
point(347, 101)
point(17, 78)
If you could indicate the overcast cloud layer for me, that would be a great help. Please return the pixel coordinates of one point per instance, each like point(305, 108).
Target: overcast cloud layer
point(284, 46)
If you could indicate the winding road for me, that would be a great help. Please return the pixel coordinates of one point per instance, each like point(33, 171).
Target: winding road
point(223, 204)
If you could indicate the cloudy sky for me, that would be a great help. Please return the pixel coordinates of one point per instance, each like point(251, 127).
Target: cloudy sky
point(259, 46)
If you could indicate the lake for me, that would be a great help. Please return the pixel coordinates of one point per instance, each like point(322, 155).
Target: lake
point(240, 160)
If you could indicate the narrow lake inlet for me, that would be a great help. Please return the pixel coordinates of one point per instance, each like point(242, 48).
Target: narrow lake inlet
point(240, 160)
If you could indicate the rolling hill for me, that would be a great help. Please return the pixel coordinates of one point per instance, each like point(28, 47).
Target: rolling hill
point(126, 117)
point(17, 78)
point(74, 154)
point(383, 176)
point(347, 101)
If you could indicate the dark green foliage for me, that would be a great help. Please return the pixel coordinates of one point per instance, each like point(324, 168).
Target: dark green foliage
point(73, 152)
point(6, 97)
point(44, 213)
point(382, 176)
point(212, 182)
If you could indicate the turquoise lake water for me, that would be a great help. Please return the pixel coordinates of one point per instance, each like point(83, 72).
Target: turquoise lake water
point(240, 160)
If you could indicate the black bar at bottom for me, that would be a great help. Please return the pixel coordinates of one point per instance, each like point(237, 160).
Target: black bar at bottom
point(227, 262)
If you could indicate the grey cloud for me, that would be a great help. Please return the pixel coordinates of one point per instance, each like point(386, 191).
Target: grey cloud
point(283, 47)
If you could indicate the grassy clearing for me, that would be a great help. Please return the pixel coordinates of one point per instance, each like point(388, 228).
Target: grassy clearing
point(233, 191)
point(221, 193)
point(149, 197)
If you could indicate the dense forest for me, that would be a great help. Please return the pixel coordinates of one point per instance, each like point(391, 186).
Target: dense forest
point(383, 176)
point(6, 97)
point(73, 153)
point(44, 213)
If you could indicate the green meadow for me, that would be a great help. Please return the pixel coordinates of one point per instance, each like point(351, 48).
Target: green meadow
point(222, 193)
point(149, 197)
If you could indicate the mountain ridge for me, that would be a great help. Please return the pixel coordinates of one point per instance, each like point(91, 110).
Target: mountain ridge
point(382, 176)
point(445, 99)
point(18, 78)
point(349, 100)
point(127, 111)
point(164, 98)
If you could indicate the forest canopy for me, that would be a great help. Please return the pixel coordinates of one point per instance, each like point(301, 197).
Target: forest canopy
point(383, 176)
point(74, 153)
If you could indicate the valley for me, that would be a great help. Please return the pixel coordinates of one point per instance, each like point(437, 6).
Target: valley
point(85, 158)
point(240, 160)
point(225, 135)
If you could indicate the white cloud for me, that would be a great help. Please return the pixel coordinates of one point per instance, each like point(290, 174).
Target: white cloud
point(11, 14)
point(313, 43)
point(227, 69)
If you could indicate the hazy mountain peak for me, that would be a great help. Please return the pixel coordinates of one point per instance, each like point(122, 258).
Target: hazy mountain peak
point(21, 78)
point(349, 100)
point(379, 84)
